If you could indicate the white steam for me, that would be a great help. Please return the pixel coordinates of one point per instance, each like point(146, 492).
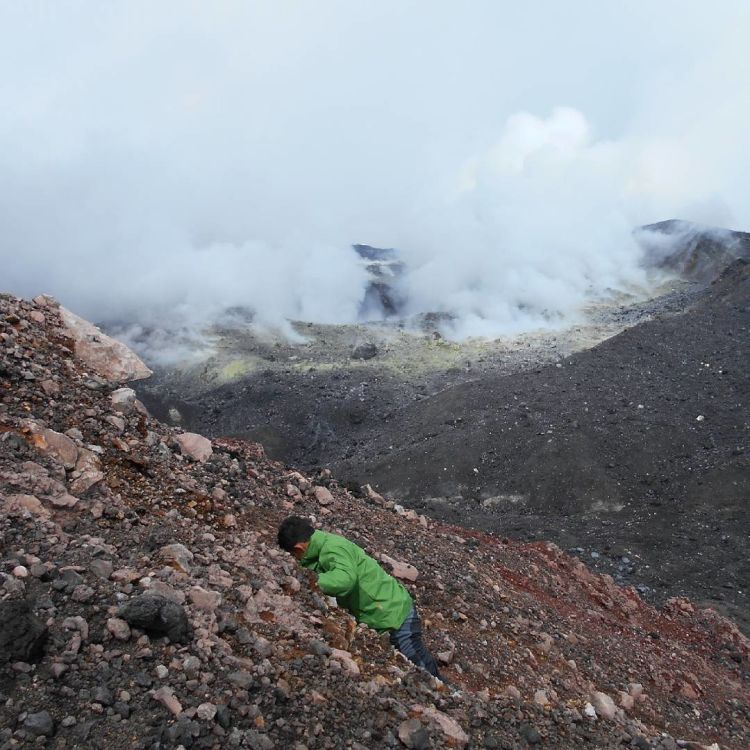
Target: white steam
point(162, 163)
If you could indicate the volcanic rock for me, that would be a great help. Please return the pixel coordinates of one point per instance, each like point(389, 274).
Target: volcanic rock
point(53, 444)
point(40, 724)
point(194, 446)
point(22, 634)
point(401, 570)
point(123, 400)
point(365, 351)
point(106, 356)
point(157, 615)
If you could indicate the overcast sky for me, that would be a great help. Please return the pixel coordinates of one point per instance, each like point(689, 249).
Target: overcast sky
point(167, 159)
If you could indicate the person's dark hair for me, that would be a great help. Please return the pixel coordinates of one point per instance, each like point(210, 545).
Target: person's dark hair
point(294, 530)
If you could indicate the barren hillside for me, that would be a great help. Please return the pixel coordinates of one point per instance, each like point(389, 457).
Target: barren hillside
point(145, 604)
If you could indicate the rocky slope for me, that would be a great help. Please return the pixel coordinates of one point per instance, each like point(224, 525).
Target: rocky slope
point(144, 603)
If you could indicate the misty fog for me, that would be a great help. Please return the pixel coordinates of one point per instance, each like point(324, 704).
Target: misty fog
point(160, 163)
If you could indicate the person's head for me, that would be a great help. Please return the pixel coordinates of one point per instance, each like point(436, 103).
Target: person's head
point(294, 535)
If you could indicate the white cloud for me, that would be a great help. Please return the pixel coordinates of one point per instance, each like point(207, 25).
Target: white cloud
point(162, 162)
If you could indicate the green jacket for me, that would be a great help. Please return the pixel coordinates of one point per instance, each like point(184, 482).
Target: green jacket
point(359, 584)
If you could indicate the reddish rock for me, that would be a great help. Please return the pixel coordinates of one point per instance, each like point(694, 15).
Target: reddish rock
point(373, 496)
point(410, 733)
point(117, 422)
point(626, 701)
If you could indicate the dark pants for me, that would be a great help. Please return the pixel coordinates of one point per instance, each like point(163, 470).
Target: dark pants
point(408, 640)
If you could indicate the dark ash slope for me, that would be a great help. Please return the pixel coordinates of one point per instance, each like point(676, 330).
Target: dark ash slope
point(636, 449)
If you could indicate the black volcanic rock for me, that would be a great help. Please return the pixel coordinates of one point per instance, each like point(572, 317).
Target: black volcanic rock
point(22, 634)
point(157, 615)
point(365, 351)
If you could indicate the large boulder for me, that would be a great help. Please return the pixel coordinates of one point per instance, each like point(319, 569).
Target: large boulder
point(157, 615)
point(22, 634)
point(107, 357)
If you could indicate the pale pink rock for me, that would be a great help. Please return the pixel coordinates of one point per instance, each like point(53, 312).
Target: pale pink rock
point(204, 599)
point(635, 689)
point(302, 482)
point(87, 472)
point(123, 400)
point(626, 700)
point(206, 711)
point(21, 571)
point(177, 556)
point(346, 660)
point(401, 570)
point(603, 704)
point(540, 698)
point(117, 422)
point(125, 575)
point(373, 496)
point(194, 446)
point(22, 503)
point(50, 443)
point(449, 727)
point(323, 496)
point(106, 356)
point(64, 501)
point(118, 628)
point(167, 698)
point(37, 316)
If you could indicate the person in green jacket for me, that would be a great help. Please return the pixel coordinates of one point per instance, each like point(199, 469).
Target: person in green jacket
point(360, 586)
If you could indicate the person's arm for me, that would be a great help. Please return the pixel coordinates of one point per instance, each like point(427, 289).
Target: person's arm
point(339, 574)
